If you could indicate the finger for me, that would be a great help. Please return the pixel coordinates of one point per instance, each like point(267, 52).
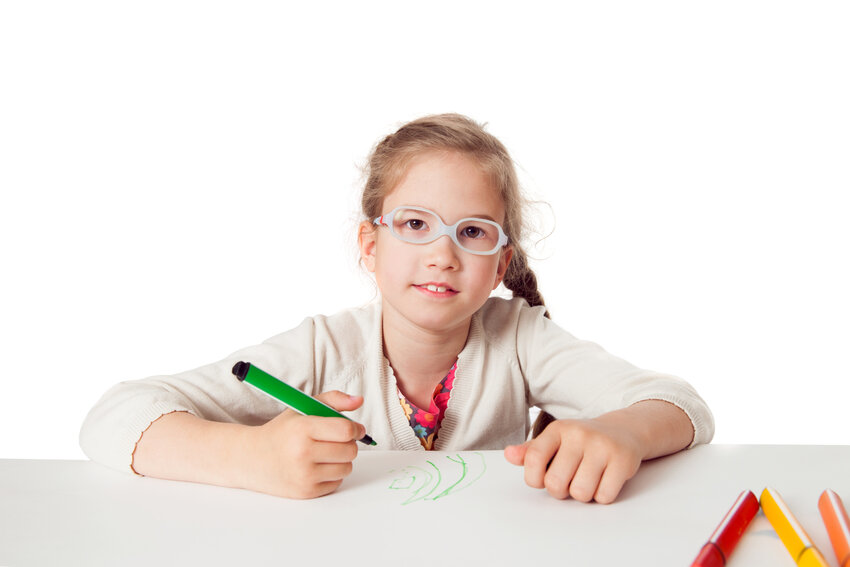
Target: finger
point(326, 488)
point(332, 472)
point(515, 454)
point(328, 452)
point(538, 454)
point(587, 476)
point(340, 401)
point(315, 490)
point(614, 478)
point(334, 429)
point(562, 469)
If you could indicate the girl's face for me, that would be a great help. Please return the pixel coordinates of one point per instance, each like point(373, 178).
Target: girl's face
point(454, 187)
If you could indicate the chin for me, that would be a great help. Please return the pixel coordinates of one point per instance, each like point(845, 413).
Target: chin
point(431, 322)
point(438, 320)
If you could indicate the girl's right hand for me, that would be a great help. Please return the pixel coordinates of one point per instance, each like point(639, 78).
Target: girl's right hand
point(299, 456)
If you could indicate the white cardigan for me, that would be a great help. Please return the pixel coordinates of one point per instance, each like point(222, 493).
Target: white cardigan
point(514, 358)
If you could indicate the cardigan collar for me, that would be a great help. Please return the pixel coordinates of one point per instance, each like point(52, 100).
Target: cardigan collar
point(459, 403)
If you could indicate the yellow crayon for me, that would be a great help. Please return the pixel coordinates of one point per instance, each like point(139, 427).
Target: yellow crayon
point(796, 540)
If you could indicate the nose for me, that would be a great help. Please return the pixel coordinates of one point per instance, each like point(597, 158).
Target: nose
point(442, 253)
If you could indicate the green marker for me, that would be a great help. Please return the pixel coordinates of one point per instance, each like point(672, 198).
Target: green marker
point(296, 399)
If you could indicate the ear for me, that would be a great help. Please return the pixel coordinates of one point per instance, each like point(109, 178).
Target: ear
point(504, 261)
point(366, 234)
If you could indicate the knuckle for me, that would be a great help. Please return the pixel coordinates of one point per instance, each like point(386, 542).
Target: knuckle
point(536, 456)
point(299, 451)
point(581, 492)
point(600, 450)
point(350, 451)
point(532, 479)
point(626, 465)
point(555, 485)
point(574, 432)
point(308, 492)
point(354, 430)
point(298, 426)
point(300, 488)
point(605, 496)
point(327, 395)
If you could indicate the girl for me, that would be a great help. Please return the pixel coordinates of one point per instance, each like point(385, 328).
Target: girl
point(435, 363)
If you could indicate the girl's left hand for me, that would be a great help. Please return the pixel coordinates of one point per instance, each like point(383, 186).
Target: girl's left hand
point(587, 459)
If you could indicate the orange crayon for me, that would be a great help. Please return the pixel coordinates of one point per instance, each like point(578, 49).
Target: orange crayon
point(837, 525)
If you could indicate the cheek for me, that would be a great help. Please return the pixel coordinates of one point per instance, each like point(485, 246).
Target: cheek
point(485, 269)
point(390, 261)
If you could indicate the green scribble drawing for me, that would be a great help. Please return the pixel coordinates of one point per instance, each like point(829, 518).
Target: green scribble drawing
point(451, 487)
point(458, 486)
point(467, 478)
point(416, 497)
point(398, 484)
point(425, 477)
point(437, 484)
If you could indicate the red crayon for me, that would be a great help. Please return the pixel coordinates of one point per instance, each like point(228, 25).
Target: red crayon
point(716, 552)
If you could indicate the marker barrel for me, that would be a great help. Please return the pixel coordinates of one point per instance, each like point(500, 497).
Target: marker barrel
point(292, 397)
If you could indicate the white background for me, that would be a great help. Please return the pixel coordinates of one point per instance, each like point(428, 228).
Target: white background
point(180, 180)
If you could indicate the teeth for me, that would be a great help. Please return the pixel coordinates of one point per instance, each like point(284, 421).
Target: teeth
point(437, 288)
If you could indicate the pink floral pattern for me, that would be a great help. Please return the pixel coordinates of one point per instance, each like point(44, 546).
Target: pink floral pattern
point(426, 424)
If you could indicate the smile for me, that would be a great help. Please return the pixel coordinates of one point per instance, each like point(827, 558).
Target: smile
point(436, 289)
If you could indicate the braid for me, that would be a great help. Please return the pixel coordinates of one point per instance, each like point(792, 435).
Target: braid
point(521, 280)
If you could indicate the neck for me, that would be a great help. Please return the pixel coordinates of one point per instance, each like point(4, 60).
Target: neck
point(420, 358)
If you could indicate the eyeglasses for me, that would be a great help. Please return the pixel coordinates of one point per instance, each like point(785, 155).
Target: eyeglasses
point(421, 226)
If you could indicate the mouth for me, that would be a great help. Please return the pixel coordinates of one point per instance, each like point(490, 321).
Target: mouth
point(437, 289)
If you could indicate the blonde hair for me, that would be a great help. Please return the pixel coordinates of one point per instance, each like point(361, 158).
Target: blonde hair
point(391, 157)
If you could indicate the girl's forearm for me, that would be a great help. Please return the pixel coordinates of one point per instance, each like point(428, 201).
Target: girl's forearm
point(181, 446)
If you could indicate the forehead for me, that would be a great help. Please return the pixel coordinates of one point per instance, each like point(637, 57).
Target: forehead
point(449, 183)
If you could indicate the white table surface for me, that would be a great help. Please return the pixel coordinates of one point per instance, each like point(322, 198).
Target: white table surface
point(80, 513)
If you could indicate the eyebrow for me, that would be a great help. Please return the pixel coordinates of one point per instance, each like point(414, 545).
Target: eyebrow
point(485, 217)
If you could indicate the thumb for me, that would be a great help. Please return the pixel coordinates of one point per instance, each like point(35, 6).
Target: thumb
point(515, 454)
point(340, 401)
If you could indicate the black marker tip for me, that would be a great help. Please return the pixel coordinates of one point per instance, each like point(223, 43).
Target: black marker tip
point(240, 369)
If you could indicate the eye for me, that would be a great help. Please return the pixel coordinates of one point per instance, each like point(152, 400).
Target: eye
point(473, 232)
point(416, 224)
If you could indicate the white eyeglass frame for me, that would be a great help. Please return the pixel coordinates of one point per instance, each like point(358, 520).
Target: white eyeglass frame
point(444, 229)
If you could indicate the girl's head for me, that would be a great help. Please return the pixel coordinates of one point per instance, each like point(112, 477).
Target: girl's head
point(462, 148)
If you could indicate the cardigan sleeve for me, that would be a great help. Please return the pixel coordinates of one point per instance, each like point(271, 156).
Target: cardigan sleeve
point(116, 423)
point(571, 378)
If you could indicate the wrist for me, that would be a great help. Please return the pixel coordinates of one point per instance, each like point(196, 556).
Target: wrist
point(661, 427)
point(234, 454)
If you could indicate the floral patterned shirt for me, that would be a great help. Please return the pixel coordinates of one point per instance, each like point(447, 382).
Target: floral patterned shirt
point(426, 424)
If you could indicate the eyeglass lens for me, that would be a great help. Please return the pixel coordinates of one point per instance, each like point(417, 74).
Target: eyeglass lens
point(418, 226)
